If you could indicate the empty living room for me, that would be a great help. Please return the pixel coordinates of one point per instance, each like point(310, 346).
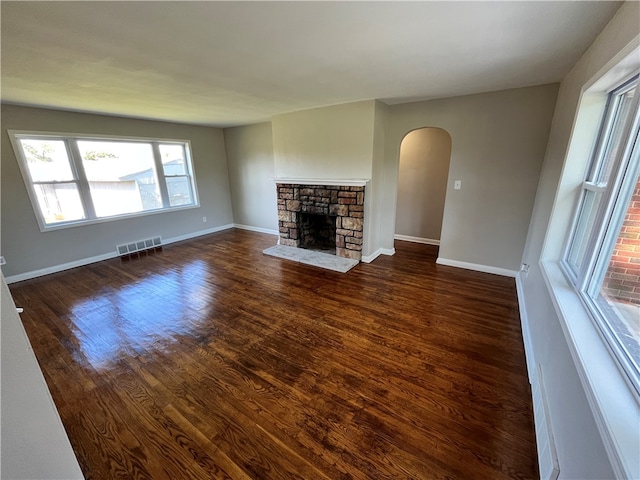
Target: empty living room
point(320, 240)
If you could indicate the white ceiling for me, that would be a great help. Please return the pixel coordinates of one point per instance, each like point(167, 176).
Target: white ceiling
point(232, 63)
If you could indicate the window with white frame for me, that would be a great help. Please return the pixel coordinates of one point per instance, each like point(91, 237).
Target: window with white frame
point(602, 257)
point(86, 179)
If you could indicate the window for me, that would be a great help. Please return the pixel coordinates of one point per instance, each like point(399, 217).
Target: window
point(174, 165)
point(82, 179)
point(602, 257)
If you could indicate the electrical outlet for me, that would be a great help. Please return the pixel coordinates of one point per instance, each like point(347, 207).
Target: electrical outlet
point(204, 219)
point(457, 185)
point(2, 261)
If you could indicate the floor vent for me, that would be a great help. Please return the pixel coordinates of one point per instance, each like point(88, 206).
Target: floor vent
point(138, 246)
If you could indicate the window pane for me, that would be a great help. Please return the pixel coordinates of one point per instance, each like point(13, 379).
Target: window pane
point(173, 159)
point(121, 176)
point(584, 229)
point(615, 139)
point(179, 191)
point(620, 291)
point(47, 160)
point(59, 202)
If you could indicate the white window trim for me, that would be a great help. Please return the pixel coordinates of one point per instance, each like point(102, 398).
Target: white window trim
point(612, 400)
point(44, 227)
point(611, 397)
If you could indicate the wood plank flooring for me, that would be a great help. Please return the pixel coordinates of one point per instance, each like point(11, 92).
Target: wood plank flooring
point(209, 359)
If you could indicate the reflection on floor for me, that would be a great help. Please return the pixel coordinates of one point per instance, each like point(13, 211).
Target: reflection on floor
point(210, 360)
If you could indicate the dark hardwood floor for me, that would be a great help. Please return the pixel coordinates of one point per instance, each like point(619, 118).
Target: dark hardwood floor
point(209, 359)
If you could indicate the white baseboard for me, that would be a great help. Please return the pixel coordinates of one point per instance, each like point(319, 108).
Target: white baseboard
point(426, 241)
point(105, 256)
point(59, 268)
point(255, 229)
point(477, 267)
point(526, 333)
point(547, 455)
point(377, 253)
point(199, 233)
point(548, 465)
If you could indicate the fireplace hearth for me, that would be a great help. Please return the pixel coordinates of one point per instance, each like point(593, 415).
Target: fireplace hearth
point(309, 215)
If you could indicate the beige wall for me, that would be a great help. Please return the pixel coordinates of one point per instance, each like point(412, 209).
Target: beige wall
point(26, 248)
point(373, 191)
point(325, 143)
point(337, 142)
point(251, 169)
point(498, 143)
point(422, 183)
point(580, 449)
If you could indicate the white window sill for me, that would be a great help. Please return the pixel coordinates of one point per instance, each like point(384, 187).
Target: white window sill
point(613, 402)
point(92, 221)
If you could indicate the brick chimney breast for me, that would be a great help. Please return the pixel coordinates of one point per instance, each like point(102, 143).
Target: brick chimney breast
point(345, 203)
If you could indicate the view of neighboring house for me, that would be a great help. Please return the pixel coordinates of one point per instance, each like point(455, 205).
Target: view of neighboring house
point(179, 188)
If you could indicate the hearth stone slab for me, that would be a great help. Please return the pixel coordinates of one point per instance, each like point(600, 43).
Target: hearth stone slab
point(310, 257)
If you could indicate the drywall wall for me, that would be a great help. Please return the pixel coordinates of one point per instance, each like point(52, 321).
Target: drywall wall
point(498, 143)
point(581, 453)
point(422, 183)
point(26, 248)
point(341, 142)
point(34, 442)
point(251, 172)
point(373, 192)
point(325, 143)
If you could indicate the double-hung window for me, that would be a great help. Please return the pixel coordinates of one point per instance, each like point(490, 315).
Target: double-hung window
point(175, 165)
point(75, 180)
point(602, 256)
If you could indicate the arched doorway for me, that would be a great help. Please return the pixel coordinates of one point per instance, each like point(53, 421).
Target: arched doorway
point(425, 155)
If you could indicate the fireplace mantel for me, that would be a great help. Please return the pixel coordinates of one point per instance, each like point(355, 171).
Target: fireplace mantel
point(349, 182)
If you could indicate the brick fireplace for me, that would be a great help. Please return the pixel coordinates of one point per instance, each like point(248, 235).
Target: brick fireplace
point(308, 216)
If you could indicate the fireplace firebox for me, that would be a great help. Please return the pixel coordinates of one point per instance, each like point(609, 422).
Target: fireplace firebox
point(318, 232)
